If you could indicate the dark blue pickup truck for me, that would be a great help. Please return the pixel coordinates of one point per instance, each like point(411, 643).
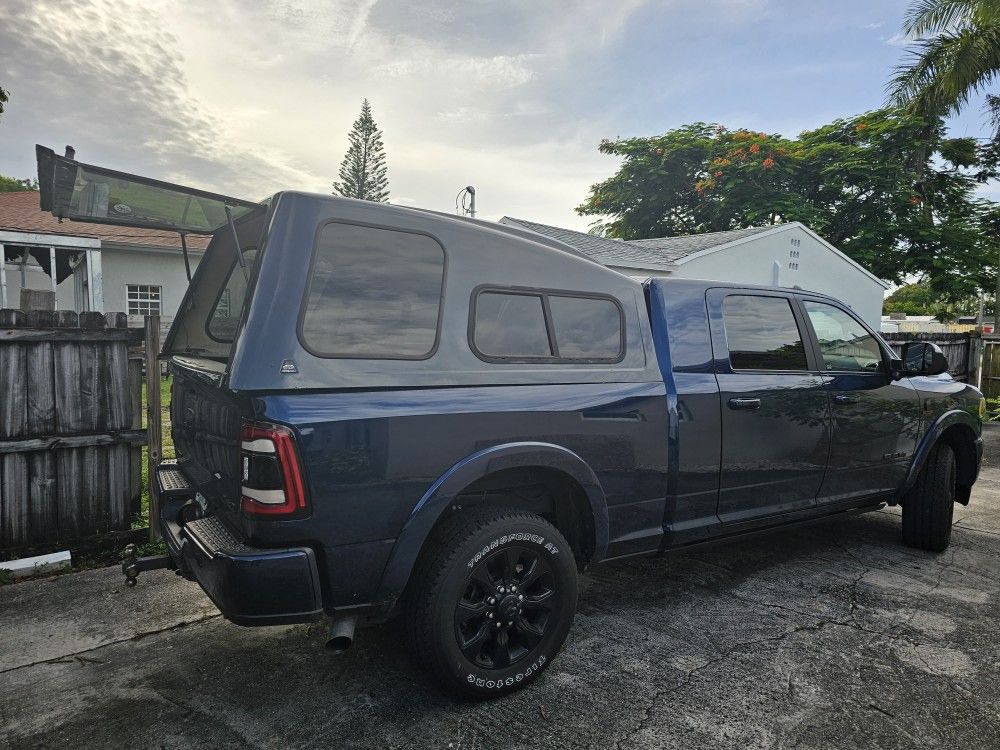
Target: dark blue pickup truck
point(381, 410)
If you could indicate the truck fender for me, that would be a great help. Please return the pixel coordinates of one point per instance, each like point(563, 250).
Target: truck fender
point(439, 497)
point(933, 434)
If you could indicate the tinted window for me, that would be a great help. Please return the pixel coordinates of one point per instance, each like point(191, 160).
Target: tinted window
point(586, 327)
point(229, 305)
point(843, 341)
point(762, 334)
point(373, 293)
point(510, 325)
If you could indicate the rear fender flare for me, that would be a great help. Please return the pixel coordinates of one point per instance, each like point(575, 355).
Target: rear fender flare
point(930, 438)
point(439, 497)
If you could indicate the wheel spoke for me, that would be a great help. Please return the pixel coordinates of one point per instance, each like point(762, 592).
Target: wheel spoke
point(470, 610)
point(482, 576)
point(500, 650)
point(530, 634)
point(532, 574)
point(541, 600)
point(509, 564)
point(473, 645)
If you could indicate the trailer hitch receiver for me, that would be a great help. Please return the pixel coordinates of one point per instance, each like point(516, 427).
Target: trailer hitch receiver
point(133, 565)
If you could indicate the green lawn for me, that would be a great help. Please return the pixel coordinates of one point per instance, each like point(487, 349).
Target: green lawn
point(142, 519)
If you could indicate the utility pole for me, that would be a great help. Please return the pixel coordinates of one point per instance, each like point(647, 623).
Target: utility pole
point(461, 207)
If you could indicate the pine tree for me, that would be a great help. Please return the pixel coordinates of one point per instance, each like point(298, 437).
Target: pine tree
point(363, 171)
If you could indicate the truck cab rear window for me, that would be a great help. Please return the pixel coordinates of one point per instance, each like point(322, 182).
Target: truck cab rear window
point(543, 326)
point(372, 294)
point(762, 334)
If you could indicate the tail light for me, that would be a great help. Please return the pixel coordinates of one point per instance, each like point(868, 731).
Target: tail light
point(272, 482)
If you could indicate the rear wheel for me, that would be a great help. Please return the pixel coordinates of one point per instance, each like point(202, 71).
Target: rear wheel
point(930, 505)
point(491, 602)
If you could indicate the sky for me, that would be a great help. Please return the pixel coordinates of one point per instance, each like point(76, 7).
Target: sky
point(248, 97)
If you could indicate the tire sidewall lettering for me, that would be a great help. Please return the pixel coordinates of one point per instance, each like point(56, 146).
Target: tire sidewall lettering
point(519, 536)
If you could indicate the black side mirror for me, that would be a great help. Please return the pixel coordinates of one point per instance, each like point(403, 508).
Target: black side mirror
point(923, 358)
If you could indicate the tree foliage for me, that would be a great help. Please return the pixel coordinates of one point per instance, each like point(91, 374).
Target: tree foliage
point(888, 188)
point(14, 185)
point(920, 299)
point(956, 54)
point(4, 98)
point(363, 170)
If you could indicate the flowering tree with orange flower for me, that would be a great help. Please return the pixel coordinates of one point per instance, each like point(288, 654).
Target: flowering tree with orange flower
point(855, 181)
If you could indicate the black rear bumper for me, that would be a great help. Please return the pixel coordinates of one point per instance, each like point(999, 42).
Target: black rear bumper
point(249, 585)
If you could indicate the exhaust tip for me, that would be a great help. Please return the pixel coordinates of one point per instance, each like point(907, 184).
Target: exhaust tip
point(339, 644)
point(341, 635)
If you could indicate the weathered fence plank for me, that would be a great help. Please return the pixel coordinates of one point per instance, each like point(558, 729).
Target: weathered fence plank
point(154, 450)
point(70, 426)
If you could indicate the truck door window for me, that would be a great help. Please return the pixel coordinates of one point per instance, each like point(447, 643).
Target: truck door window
point(372, 294)
point(510, 325)
point(762, 334)
point(844, 343)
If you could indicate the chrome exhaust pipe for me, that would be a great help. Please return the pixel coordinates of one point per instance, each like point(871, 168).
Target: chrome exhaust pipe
point(341, 634)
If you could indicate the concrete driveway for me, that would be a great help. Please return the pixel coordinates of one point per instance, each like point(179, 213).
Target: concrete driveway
point(833, 635)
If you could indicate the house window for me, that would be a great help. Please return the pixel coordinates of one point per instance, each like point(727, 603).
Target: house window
point(143, 299)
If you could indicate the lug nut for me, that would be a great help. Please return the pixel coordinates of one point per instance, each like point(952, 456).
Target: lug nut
point(489, 615)
point(511, 623)
point(520, 597)
point(503, 590)
point(494, 601)
point(513, 589)
point(499, 624)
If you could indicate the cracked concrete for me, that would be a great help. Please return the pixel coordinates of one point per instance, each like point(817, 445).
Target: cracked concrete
point(833, 635)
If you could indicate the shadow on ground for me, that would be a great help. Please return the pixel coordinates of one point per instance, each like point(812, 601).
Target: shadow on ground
point(833, 635)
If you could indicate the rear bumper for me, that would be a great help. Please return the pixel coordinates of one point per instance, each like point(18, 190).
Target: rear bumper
point(249, 585)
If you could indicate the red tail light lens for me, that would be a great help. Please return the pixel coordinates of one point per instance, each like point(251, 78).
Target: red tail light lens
point(272, 482)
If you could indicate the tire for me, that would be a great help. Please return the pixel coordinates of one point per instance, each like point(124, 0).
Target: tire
point(488, 566)
point(930, 505)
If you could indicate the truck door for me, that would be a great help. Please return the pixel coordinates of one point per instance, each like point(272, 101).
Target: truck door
point(775, 411)
point(876, 420)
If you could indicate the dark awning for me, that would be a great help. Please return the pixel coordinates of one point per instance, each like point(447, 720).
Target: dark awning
point(83, 192)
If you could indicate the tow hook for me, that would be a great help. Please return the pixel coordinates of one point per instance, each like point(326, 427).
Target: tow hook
point(132, 565)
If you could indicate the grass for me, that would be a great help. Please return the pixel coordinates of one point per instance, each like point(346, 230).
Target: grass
point(142, 518)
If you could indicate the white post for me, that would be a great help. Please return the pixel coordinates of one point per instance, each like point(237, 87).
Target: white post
point(3, 276)
point(95, 281)
point(52, 268)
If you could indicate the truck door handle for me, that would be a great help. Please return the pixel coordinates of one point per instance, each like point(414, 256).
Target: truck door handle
point(744, 404)
point(842, 399)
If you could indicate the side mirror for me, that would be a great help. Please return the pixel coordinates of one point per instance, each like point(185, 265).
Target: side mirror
point(923, 358)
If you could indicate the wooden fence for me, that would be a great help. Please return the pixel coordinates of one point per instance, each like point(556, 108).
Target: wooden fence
point(990, 374)
point(70, 425)
point(960, 349)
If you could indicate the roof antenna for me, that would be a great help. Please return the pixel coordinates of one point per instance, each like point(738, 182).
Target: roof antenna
point(461, 207)
point(70, 152)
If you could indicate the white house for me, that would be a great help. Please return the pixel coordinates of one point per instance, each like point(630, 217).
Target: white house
point(100, 267)
point(789, 255)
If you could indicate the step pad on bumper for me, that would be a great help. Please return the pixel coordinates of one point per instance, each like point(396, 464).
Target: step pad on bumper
point(213, 536)
point(172, 481)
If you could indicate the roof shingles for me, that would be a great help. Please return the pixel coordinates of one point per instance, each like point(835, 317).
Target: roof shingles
point(661, 252)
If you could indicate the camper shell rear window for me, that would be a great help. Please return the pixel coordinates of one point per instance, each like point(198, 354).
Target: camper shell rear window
point(372, 293)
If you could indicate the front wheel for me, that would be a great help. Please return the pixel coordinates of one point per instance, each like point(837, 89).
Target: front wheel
point(491, 602)
point(930, 505)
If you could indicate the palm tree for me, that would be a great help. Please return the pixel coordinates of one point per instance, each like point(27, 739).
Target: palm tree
point(957, 55)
